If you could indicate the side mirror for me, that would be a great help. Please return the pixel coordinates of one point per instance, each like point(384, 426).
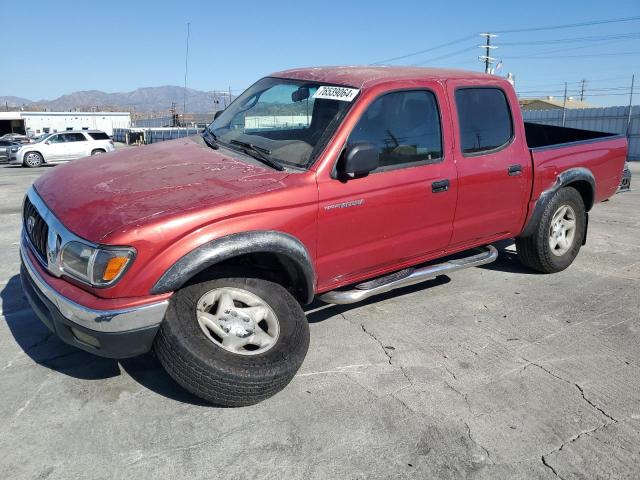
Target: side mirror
point(360, 159)
point(47, 142)
point(217, 114)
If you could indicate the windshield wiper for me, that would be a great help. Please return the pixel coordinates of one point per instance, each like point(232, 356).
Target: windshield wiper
point(210, 138)
point(258, 153)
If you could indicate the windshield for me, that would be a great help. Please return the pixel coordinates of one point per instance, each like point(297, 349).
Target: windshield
point(41, 138)
point(284, 119)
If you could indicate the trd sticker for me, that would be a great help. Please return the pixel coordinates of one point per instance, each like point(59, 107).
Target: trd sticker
point(336, 93)
point(352, 203)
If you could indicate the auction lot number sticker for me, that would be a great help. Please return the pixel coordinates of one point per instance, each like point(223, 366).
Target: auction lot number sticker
point(336, 93)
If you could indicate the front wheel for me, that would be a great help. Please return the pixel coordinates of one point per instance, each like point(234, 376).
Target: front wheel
point(558, 236)
point(98, 151)
point(233, 341)
point(32, 160)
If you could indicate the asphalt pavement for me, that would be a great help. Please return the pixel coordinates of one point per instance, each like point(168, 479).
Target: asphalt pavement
point(492, 373)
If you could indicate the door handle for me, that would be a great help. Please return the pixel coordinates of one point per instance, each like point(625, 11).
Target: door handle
point(440, 186)
point(514, 170)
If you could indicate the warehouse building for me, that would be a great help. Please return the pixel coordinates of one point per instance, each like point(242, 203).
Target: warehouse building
point(37, 123)
point(551, 103)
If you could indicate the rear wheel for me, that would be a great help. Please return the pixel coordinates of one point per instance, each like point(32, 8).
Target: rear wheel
point(32, 160)
point(559, 235)
point(233, 341)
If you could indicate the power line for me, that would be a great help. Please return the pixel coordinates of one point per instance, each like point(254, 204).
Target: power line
point(446, 55)
point(528, 29)
point(590, 38)
point(570, 25)
point(546, 57)
point(426, 50)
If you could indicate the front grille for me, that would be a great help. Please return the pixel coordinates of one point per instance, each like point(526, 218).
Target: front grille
point(36, 228)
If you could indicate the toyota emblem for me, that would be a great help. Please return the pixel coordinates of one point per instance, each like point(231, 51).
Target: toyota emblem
point(31, 222)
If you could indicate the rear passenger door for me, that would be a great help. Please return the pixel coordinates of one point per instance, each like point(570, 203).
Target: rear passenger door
point(396, 214)
point(494, 169)
point(56, 148)
point(77, 145)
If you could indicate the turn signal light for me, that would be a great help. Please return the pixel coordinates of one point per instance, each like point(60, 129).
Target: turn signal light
point(114, 267)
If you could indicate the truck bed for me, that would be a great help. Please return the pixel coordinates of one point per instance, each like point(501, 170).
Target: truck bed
point(541, 136)
point(555, 149)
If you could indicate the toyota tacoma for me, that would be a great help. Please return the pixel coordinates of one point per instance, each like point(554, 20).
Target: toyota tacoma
point(337, 183)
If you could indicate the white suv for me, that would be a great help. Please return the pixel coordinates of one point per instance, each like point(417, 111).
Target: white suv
point(61, 147)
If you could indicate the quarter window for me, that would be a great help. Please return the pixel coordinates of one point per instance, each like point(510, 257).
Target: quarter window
point(99, 135)
point(404, 126)
point(485, 119)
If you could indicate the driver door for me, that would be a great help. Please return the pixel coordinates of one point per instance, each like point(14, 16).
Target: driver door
point(399, 214)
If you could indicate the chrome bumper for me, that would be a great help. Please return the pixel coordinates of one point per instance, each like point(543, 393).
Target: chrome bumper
point(107, 321)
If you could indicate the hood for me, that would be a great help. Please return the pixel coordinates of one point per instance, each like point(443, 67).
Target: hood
point(97, 195)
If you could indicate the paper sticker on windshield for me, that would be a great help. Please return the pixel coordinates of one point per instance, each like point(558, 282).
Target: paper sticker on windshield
point(336, 93)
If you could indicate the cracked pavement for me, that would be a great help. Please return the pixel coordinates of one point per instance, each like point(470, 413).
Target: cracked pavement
point(493, 373)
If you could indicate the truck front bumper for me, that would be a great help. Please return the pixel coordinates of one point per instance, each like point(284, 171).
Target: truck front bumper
point(108, 333)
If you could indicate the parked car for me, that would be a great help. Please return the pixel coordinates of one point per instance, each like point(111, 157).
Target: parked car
point(5, 148)
point(16, 138)
point(61, 147)
point(206, 248)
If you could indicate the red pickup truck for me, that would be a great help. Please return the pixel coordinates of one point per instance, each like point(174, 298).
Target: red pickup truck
point(338, 183)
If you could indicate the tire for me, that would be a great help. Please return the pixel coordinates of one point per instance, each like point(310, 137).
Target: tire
point(98, 151)
point(32, 160)
point(536, 251)
point(207, 369)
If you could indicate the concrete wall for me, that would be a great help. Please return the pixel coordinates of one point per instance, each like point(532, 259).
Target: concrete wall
point(606, 119)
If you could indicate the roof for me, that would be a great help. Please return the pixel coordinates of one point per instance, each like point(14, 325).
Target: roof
point(17, 115)
point(368, 75)
point(542, 103)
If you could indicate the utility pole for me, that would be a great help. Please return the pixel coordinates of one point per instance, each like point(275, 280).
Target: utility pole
point(633, 78)
point(564, 104)
point(186, 67)
point(487, 58)
point(172, 110)
point(229, 95)
point(583, 82)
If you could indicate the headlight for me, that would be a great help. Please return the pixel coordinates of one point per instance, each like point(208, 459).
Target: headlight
point(14, 149)
point(99, 267)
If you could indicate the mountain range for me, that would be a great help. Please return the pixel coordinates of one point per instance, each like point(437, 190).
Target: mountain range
point(147, 99)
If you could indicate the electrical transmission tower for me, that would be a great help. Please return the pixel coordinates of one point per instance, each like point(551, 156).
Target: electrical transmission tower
point(487, 58)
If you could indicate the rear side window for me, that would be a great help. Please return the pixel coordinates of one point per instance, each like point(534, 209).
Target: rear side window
point(75, 137)
point(404, 126)
point(99, 135)
point(485, 119)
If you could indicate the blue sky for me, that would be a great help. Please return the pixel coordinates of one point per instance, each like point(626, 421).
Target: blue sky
point(53, 48)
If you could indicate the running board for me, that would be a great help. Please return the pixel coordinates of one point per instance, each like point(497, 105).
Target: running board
point(406, 277)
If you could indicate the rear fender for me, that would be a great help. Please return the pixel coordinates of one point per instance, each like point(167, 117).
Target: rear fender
point(564, 179)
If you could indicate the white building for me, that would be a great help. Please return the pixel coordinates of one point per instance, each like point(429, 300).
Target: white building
point(36, 123)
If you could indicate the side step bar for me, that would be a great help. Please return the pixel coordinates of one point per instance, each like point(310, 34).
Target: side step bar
point(406, 277)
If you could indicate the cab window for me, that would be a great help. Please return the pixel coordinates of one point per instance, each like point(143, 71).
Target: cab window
point(404, 127)
point(484, 118)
